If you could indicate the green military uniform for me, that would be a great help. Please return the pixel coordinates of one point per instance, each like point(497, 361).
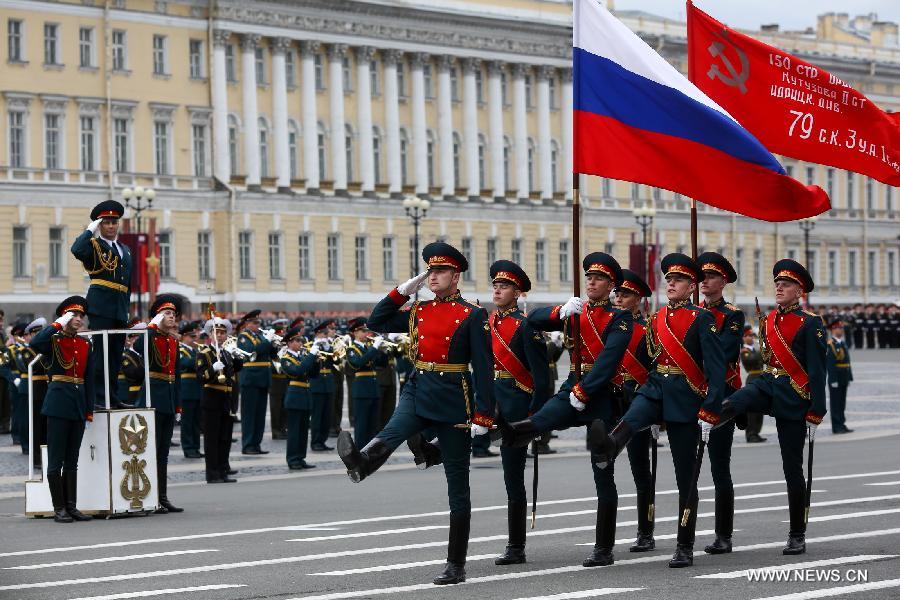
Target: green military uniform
point(321, 388)
point(216, 402)
point(277, 391)
point(752, 360)
point(362, 360)
point(298, 367)
point(256, 378)
point(840, 374)
point(189, 394)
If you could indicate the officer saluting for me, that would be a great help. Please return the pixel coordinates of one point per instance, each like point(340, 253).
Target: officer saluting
point(684, 390)
point(840, 374)
point(69, 402)
point(447, 334)
point(792, 387)
point(108, 264)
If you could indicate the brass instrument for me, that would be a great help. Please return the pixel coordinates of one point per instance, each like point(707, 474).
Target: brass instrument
point(231, 347)
point(277, 340)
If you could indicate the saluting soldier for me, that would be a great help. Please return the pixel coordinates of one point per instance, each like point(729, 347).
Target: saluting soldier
point(751, 358)
point(165, 371)
point(684, 389)
point(605, 332)
point(299, 367)
point(39, 381)
point(189, 389)
point(447, 334)
point(792, 387)
point(69, 403)
point(321, 387)
point(256, 377)
point(277, 391)
point(108, 264)
point(634, 370)
point(363, 356)
point(840, 374)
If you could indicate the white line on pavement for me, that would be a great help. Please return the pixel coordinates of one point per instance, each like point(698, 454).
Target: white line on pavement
point(843, 560)
point(885, 483)
point(838, 591)
point(108, 559)
point(166, 592)
point(853, 515)
point(583, 594)
point(347, 536)
point(757, 496)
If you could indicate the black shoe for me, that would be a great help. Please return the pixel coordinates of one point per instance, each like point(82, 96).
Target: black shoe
point(483, 454)
point(605, 447)
point(194, 454)
point(425, 454)
point(721, 545)
point(645, 542)
point(161, 510)
point(71, 489)
point(231, 471)
point(599, 557)
point(646, 522)
point(518, 434)
point(453, 573)
point(605, 536)
point(215, 480)
point(228, 479)
point(684, 557)
point(321, 448)
point(755, 439)
point(301, 465)
point(164, 503)
point(361, 463)
point(513, 555)
point(516, 512)
point(796, 544)
point(57, 495)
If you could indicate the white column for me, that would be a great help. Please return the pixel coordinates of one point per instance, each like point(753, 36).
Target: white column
point(309, 119)
point(568, 151)
point(280, 115)
point(543, 106)
point(419, 134)
point(445, 126)
point(520, 125)
point(336, 53)
point(364, 56)
point(392, 121)
point(470, 126)
point(495, 114)
point(249, 42)
point(222, 170)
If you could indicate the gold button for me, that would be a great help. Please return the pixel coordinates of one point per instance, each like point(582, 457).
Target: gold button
point(421, 337)
point(447, 338)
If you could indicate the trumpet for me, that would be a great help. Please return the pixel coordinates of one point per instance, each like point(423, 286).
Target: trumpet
point(231, 347)
point(276, 339)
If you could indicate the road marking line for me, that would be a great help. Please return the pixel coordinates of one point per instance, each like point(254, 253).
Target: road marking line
point(757, 496)
point(854, 515)
point(837, 591)
point(583, 594)
point(347, 536)
point(844, 560)
point(108, 559)
point(148, 593)
point(885, 483)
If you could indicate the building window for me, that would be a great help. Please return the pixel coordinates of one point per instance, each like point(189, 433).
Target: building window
point(17, 152)
point(232, 143)
point(491, 252)
point(606, 187)
point(429, 81)
point(851, 200)
point(275, 256)
point(14, 34)
point(479, 86)
point(88, 143)
point(195, 54)
point(738, 264)
point(551, 83)
point(204, 255)
point(346, 73)
point(530, 164)
point(757, 268)
point(260, 57)
point(164, 241)
point(554, 166)
point(870, 194)
point(892, 269)
point(121, 143)
point(387, 258)
point(373, 78)
point(161, 147)
point(829, 182)
point(199, 135)
point(429, 157)
point(540, 260)
point(851, 268)
point(404, 146)
point(468, 275)
point(21, 262)
point(564, 261)
point(263, 148)
point(528, 102)
point(293, 152)
point(610, 248)
point(504, 89)
point(401, 79)
point(457, 148)
point(635, 191)
point(119, 50)
point(376, 154)
point(57, 252)
point(810, 175)
point(52, 137)
point(832, 268)
point(482, 183)
point(51, 44)
point(361, 244)
point(304, 245)
point(507, 154)
point(454, 85)
point(160, 60)
point(245, 254)
point(516, 252)
point(348, 149)
point(319, 71)
point(230, 70)
point(413, 257)
point(290, 77)
point(889, 199)
point(872, 268)
point(334, 256)
point(86, 47)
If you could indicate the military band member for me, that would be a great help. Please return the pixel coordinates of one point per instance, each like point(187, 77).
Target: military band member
point(69, 403)
point(447, 334)
point(189, 389)
point(19, 399)
point(277, 391)
point(633, 373)
point(321, 387)
point(255, 380)
point(39, 381)
point(840, 374)
point(363, 356)
point(299, 367)
point(386, 378)
point(217, 373)
point(752, 359)
point(108, 264)
point(605, 332)
point(684, 389)
point(165, 371)
point(792, 387)
point(132, 369)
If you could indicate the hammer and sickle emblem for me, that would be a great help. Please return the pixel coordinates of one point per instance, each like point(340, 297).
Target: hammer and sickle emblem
point(733, 78)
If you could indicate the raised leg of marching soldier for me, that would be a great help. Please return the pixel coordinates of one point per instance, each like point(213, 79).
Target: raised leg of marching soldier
point(639, 459)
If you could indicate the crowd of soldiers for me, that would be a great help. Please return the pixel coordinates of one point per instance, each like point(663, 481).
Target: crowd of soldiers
point(868, 326)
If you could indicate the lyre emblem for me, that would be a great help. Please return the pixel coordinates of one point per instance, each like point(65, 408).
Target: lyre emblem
point(135, 485)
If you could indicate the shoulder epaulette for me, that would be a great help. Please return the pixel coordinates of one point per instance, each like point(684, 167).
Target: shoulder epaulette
point(732, 307)
point(806, 312)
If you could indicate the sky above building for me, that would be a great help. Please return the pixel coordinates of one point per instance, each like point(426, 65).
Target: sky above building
point(750, 14)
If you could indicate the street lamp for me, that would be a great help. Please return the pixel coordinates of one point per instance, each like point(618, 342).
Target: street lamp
point(807, 225)
point(136, 201)
point(644, 215)
point(416, 208)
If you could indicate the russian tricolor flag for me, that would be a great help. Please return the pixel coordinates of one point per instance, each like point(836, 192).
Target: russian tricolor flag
point(638, 119)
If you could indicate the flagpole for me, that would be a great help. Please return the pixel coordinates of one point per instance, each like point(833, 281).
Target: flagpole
point(576, 280)
point(694, 245)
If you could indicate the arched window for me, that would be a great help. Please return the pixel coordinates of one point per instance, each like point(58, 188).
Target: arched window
point(457, 149)
point(404, 151)
point(348, 147)
point(233, 145)
point(293, 145)
point(482, 149)
point(554, 166)
point(429, 147)
point(531, 152)
point(321, 149)
point(263, 147)
point(376, 154)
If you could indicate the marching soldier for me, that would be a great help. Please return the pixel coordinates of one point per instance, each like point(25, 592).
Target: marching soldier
point(321, 387)
point(447, 334)
point(108, 264)
point(39, 380)
point(684, 390)
point(363, 356)
point(217, 374)
point(717, 273)
point(870, 323)
point(165, 372)
point(255, 380)
point(633, 373)
point(69, 403)
point(752, 359)
point(189, 390)
point(277, 391)
point(298, 367)
point(840, 374)
point(792, 387)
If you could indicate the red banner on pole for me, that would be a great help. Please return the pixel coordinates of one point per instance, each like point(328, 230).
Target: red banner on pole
point(793, 107)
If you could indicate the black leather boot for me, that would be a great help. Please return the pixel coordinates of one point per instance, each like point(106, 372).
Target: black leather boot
point(58, 497)
point(644, 541)
point(162, 473)
point(605, 447)
point(724, 525)
point(684, 551)
point(797, 510)
point(796, 544)
point(455, 569)
point(728, 413)
point(71, 493)
point(519, 434)
point(516, 512)
point(605, 536)
point(361, 463)
point(425, 453)
point(683, 557)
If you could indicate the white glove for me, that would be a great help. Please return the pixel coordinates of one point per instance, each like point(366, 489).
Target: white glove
point(573, 307)
point(479, 430)
point(654, 431)
point(576, 403)
point(394, 336)
point(218, 366)
point(347, 339)
point(320, 342)
point(94, 226)
point(177, 417)
point(16, 381)
point(378, 342)
point(812, 430)
point(64, 320)
point(157, 319)
point(408, 288)
point(314, 349)
point(269, 334)
point(557, 338)
point(705, 428)
point(834, 384)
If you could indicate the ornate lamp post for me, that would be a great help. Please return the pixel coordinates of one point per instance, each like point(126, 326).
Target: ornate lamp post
point(644, 217)
point(136, 201)
point(416, 208)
